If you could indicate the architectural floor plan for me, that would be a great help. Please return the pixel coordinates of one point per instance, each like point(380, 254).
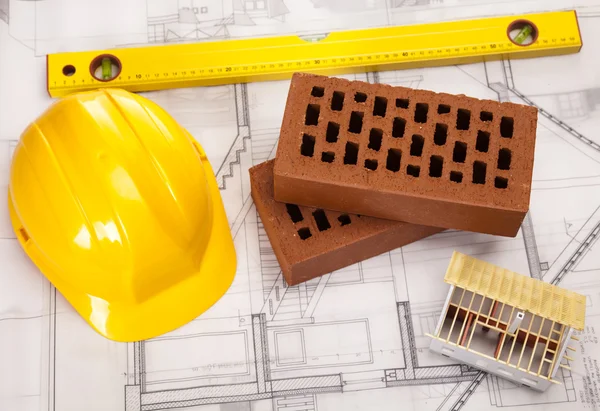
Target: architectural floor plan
point(354, 338)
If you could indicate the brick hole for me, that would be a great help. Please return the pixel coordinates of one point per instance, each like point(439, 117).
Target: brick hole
point(416, 148)
point(344, 219)
point(327, 156)
point(443, 109)
point(506, 127)
point(440, 135)
point(332, 133)
point(398, 127)
point(402, 102)
point(456, 176)
point(504, 157)
point(380, 106)
point(360, 97)
point(483, 141)
point(321, 220)
point(459, 154)
point(463, 119)
point(294, 212)
point(312, 115)
point(500, 182)
point(308, 145)
point(375, 138)
point(337, 101)
point(371, 164)
point(351, 154)
point(413, 170)
point(304, 233)
point(393, 159)
point(436, 164)
point(486, 116)
point(421, 112)
point(356, 122)
point(317, 91)
point(479, 168)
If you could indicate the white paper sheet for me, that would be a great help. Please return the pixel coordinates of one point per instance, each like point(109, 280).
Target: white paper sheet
point(354, 339)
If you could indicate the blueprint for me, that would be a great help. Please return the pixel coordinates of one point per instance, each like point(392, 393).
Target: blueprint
point(354, 339)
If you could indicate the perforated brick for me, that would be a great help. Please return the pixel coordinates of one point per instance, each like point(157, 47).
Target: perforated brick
point(409, 155)
point(310, 242)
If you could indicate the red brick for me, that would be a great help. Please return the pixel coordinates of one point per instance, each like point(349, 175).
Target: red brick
point(349, 239)
point(394, 123)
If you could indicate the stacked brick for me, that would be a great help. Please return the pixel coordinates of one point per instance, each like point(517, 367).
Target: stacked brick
point(406, 155)
point(365, 168)
point(309, 242)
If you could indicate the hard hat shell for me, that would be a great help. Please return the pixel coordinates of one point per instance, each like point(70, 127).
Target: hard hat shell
point(119, 208)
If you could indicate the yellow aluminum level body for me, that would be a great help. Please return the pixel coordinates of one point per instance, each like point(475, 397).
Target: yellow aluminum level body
point(274, 58)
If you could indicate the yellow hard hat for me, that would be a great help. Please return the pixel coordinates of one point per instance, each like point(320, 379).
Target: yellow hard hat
point(119, 208)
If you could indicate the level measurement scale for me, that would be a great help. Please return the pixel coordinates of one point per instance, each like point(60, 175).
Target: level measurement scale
point(219, 62)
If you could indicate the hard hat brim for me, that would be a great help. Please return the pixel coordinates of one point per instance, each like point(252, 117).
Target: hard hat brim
point(166, 311)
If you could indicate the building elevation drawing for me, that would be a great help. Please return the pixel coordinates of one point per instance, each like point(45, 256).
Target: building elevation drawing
point(354, 339)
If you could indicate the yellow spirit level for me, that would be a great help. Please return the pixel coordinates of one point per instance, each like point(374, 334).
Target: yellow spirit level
point(276, 58)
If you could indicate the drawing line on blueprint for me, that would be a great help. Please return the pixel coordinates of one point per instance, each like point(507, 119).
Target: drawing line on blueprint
point(273, 343)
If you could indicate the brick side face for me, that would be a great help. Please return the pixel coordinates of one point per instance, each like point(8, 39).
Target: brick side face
point(310, 242)
point(401, 153)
